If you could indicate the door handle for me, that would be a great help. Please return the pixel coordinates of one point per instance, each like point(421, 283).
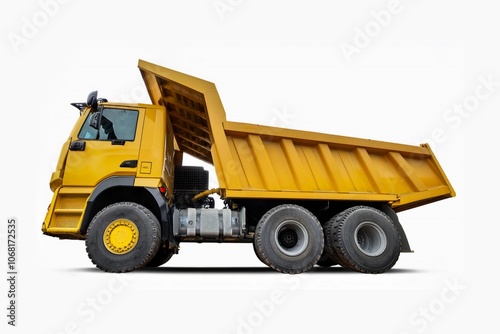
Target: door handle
point(77, 146)
point(129, 164)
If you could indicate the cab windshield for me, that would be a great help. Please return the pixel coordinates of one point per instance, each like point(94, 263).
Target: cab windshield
point(116, 124)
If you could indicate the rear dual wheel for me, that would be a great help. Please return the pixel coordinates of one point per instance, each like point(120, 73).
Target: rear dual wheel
point(363, 239)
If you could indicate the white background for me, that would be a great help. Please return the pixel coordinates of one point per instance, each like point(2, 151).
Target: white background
point(276, 63)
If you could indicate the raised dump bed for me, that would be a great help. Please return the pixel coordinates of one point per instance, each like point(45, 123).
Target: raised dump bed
point(255, 161)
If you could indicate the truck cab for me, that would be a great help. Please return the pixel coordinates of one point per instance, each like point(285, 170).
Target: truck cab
point(112, 148)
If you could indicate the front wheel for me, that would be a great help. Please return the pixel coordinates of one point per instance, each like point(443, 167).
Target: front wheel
point(163, 255)
point(123, 237)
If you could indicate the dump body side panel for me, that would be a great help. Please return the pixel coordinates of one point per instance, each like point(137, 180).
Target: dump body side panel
point(272, 162)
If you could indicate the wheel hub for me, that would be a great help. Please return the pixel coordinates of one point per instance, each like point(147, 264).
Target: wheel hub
point(287, 238)
point(291, 238)
point(370, 238)
point(121, 236)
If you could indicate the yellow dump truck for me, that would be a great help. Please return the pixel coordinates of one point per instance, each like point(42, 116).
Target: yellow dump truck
point(302, 198)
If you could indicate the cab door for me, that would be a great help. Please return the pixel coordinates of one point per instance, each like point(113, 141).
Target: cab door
point(111, 150)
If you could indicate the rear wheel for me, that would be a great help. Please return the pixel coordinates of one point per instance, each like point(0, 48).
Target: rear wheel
point(123, 237)
point(329, 242)
point(364, 239)
point(289, 239)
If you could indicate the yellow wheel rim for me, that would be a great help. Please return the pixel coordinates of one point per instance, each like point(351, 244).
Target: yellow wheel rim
point(121, 236)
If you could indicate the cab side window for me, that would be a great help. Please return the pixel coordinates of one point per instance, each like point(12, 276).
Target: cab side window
point(118, 124)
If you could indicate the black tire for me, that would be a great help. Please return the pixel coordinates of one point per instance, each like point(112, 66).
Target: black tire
point(123, 237)
point(163, 255)
point(258, 254)
point(364, 239)
point(329, 243)
point(405, 245)
point(289, 239)
point(326, 260)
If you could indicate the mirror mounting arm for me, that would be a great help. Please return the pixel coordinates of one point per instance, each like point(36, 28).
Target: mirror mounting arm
point(95, 120)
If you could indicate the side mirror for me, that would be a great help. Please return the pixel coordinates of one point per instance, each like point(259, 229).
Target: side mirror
point(92, 100)
point(95, 120)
